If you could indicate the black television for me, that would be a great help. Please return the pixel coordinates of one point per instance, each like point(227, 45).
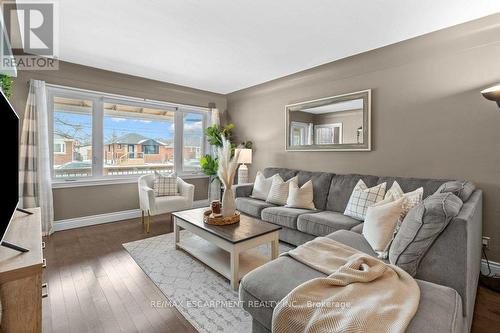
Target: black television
point(10, 200)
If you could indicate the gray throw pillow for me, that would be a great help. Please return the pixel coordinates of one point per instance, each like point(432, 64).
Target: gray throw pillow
point(461, 188)
point(420, 228)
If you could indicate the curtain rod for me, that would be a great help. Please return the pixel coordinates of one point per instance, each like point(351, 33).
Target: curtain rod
point(130, 98)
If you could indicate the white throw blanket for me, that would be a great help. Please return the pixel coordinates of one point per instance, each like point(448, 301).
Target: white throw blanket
point(361, 293)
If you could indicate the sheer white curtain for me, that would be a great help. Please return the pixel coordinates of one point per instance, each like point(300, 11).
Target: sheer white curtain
point(34, 158)
point(215, 117)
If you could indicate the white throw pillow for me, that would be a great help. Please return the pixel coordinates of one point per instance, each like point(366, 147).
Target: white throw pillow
point(164, 185)
point(278, 194)
point(261, 186)
point(363, 197)
point(300, 197)
point(411, 198)
point(380, 223)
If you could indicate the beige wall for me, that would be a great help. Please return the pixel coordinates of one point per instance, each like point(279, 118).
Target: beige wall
point(428, 116)
point(302, 117)
point(84, 201)
point(92, 200)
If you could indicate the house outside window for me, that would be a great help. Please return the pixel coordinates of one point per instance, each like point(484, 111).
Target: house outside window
point(59, 147)
point(101, 136)
point(151, 149)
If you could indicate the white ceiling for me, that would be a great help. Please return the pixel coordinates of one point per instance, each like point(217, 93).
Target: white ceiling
point(226, 45)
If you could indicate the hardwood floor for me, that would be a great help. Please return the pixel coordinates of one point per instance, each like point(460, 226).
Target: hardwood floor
point(486, 312)
point(95, 286)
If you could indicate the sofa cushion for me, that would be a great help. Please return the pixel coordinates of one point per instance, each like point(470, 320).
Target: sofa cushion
point(420, 228)
point(271, 283)
point(411, 184)
point(341, 189)
point(283, 216)
point(363, 197)
point(461, 188)
point(321, 185)
point(170, 203)
point(283, 172)
point(358, 229)
point(300, 197)
point(165, 184)
point(242, 190)
point(261, 186)
point(354, 240)
point(278, 193)
point(324, 223)
point(380, 223)
point(261, 289)
point(250, 206)
point(412, 198)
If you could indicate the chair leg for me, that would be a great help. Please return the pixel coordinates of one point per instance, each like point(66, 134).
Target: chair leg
point(149, 221)
point(142, 217)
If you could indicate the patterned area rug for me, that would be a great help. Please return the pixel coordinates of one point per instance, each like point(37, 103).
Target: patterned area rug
point(203, 296)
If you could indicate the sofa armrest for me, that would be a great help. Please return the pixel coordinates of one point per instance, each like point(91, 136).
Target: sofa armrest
point(439, 310)
point(186, 190)
point(243, 190)
point(146, 197)
point(454, 260)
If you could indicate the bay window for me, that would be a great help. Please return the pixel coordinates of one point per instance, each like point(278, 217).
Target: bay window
point(97, 135)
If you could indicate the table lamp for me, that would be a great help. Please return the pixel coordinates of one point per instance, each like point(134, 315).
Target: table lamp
point(245, 157)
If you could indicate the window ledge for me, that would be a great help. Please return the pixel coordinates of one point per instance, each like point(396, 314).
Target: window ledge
point(109, 181)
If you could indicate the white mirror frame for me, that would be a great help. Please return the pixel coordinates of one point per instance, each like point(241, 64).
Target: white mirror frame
point(365, 146)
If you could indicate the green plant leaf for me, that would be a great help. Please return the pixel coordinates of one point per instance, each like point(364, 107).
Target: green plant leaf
point(213, 134)
point(209, 165)
point(6, 85)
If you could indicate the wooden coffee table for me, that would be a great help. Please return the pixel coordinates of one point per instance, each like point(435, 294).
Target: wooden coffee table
point(225, 248)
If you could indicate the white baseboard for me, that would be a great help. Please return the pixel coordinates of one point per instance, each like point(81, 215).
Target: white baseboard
point(495, 267)
point(85, 221)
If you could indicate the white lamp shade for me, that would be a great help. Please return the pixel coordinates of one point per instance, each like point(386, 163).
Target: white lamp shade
point(245, 156)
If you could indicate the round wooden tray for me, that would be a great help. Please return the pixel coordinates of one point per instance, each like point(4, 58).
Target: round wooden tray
point(209, 218)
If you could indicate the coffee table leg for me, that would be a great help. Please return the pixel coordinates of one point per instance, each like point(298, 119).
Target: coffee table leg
point(275, 247)
point(235, 263)
point(176, 233)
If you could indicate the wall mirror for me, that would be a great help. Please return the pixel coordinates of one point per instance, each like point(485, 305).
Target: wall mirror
point(333, 123)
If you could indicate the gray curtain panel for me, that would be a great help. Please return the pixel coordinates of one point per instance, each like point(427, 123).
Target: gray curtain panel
point(35, 185)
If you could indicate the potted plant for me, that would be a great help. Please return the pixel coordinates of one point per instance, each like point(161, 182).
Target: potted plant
point(6, 85)
point(208, 163)
point(209, 166)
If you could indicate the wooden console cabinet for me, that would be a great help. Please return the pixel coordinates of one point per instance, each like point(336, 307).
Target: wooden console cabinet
point(21, 275)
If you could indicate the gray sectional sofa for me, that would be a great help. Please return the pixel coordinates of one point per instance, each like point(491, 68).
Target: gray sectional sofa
point(447, 275)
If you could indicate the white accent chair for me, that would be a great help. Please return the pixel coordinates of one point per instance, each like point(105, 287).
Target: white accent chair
point(153, 205)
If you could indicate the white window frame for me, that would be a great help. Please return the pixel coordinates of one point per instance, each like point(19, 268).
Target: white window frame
point(62, 145)
point(179, 149)
point(331, 126)
point(98, 99)
point(304, 128)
